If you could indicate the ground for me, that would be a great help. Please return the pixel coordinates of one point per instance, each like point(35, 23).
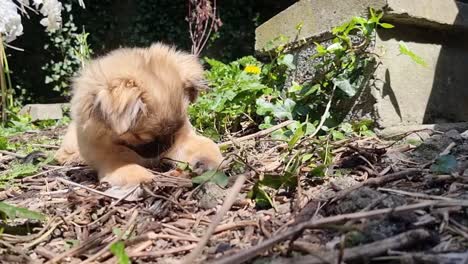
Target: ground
point(399, 200)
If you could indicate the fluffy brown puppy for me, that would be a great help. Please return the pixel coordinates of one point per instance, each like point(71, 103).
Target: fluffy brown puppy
point(130, 97)
point(200, 152)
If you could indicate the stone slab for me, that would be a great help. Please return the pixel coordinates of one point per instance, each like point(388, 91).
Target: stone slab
point(408, 93)
point(399, 130)
point(430, 13)
point(316, 16)
point(44, 111)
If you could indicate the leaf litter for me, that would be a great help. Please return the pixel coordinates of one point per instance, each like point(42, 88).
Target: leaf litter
point(353, 200)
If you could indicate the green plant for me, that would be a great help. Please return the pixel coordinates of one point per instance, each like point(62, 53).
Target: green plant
point(11, 212)
point(70, 50)
point(231, 100)
point(118, 249)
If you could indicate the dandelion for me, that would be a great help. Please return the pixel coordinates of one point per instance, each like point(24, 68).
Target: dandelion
point(252, 69)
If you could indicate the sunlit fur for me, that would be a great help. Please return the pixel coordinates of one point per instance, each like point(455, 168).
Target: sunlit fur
point(128, 97)
point(200, 152)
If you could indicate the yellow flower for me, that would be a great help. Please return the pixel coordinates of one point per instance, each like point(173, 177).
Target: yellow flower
point(252, 69)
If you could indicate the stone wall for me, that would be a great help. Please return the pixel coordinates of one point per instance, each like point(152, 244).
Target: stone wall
point(400, 92)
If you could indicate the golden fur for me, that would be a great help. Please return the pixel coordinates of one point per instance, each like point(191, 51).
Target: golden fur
point(130, 97)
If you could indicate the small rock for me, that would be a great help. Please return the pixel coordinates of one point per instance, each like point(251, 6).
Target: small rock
point(454, 135)
point(209, 195)
point(44, 111)
point(464, 135)
point(341, 183)
point(431, 148)
point(362, 197)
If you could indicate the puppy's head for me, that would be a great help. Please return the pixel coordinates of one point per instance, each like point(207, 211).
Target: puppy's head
point(137, 94)
point(187, 65)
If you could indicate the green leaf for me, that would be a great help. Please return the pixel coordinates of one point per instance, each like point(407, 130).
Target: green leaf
point(261, 197)
point(386, 25)
point(335, 47)
point(217, 177)
point(118, 249)
point(306, 157)
point(298, 134)
point(288, 61)
point(320, 48)
point(319, 171)
point(3, 143)
point(337, 135)
point(444, 164)
point(12, 212)
point(345, 86)
point(406, 51)
point(295, 87)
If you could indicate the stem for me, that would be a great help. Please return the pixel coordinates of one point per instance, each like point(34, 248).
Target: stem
point(3, 83)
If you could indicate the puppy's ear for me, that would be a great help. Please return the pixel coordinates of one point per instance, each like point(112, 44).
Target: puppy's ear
point(192, 74)
point(193, 89)
point(119, 105)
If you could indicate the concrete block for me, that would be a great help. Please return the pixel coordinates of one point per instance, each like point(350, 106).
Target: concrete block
point(44, 111)
point(400, 92)
point(316, 16)
point(430, 13)
point(408, 93)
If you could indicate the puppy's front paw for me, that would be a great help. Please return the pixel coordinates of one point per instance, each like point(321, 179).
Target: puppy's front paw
point(68, 158)
point(128, 175)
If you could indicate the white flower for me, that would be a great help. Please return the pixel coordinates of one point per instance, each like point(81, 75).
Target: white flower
point(10, 21)
point(52, 10)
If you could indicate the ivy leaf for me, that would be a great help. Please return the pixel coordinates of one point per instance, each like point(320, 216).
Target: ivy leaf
point(118, 249)
point(345, 86)
point(444, 164)
point(261, 197)
point(386, 25)
point(337, 135)
point(287, 60)
point(12, 212)
point(217, 177)
point(298, 134)
point(335, 47)
point(406, 51)
point(320, 48)
point(264, 107)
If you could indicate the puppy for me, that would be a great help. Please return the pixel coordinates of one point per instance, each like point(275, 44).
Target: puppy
point(130, 97)
point(200, 152)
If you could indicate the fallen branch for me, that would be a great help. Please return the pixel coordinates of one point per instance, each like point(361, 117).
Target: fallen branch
point(260, 133)
point(252, 252)
point(362, 254)
point(375, 182)
point(230, 199)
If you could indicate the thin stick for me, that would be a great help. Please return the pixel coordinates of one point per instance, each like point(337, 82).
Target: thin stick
point(162, 252)
point(257, 134)
point(418, 195)
point(362, 253)
point(106, 248)
point(230, 199)
point(375, 182)
point(250, 253)
point(88, 188)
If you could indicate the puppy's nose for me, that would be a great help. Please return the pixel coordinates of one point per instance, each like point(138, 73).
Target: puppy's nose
point(200, 166)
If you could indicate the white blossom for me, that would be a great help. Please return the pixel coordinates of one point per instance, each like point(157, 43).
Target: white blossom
point(52, 10)
point(10, 21)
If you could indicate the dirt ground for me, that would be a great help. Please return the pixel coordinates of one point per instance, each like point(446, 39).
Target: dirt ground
point(400, 200)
